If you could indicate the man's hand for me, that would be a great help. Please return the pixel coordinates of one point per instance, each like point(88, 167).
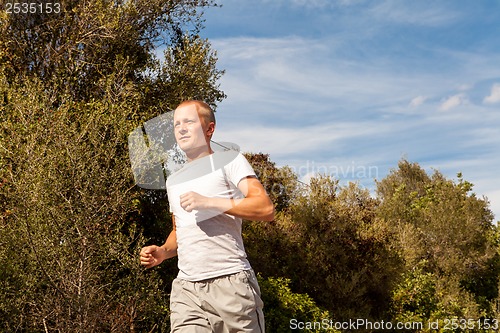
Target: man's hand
point(152, 255)
point(256, 204)
point(193, 200)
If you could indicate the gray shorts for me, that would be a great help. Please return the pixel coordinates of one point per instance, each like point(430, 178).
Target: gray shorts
point(225, 304)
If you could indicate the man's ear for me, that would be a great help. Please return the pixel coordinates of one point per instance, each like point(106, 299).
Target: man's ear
point(210, 129)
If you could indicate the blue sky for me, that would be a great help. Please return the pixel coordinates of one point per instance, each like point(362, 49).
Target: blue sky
point(350, 87)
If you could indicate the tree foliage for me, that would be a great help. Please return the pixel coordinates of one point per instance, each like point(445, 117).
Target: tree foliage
point(284, 308)
point(68, 202)
point(444, 231)
point(330, 247)
point(73, 85)
point(423, 249)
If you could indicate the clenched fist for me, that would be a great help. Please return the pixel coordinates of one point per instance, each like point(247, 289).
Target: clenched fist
point(152, 255)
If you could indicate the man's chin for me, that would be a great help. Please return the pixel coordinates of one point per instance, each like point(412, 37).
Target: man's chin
point(193, 150)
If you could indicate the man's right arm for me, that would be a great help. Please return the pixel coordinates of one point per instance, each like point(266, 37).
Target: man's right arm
point(154, 255)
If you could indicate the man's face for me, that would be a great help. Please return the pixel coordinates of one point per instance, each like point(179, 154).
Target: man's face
point(190, 131)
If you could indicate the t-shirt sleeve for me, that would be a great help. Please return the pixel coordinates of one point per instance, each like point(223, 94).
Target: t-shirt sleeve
point(238, 169)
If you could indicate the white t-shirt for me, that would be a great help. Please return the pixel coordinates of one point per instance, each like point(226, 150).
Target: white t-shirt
point(209, 242)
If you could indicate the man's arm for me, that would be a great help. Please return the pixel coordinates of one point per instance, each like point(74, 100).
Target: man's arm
point(154, 255)
point(255, 206)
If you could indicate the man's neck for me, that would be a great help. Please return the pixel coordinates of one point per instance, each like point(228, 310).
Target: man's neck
point(196, 154)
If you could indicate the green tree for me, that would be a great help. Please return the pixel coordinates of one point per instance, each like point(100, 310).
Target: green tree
point(328, 243)
point(90, 41)
point(284, 309)
point(443, 229)
point(280, 183)
point(344, 261)
point(72, 87)
point(68, 194)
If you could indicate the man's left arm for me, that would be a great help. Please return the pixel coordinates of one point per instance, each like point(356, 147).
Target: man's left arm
point(256, 204)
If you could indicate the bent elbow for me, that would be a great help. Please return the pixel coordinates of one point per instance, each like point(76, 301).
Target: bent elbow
point(269, 213)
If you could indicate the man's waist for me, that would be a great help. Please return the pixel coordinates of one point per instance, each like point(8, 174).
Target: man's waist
point(204, 276)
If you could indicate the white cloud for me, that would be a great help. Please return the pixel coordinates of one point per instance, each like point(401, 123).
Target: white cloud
point(417, 101)
point(313, 3)
point(452, 102)
point(286, 68)
point(414, 13)
point(464, 87)
point(494, 97)
point(283, 141)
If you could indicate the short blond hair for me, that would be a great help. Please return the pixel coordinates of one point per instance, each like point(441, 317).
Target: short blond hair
point(204, 110)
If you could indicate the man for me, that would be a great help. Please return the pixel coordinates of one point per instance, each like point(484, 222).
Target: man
point(216, 289)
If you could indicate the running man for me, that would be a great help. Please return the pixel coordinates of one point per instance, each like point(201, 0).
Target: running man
point(216, 289)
